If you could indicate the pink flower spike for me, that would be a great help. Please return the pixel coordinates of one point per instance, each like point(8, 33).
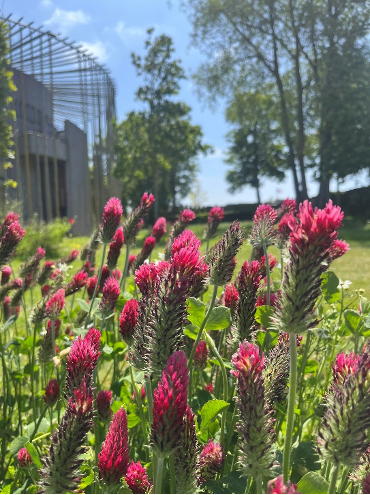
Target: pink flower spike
point(159, 229)
point(210, 460)
point(231, 297)
point(115, 249)
point(187, 216)
point(52, 392)
point(169, 405)
point(103, 402)
point(24, 458)
point(216, 215)
point(10, 240)
point(147, 199)
point(128, 320)
point(137, 479)
point(90, 286)
point(111, 219)
point(114, 457)
point(55, 304)
point(111, 292)
point(201, 355)
point(78, 281)
point(277, 486)
point(5, 274)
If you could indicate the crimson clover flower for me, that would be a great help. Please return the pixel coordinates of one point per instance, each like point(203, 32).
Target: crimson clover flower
point(159, 229)
point(52, 392)
point(147, 249)
point(186, 216)
point(111, 219)
point(115, 248)
point(215, 216)
point(111, 291)
point(134, 221)
point(255, 426)
point(55, 304)
point(277, 485)
point(128, 320)
point(81, 361)
point(287, 207)
point(10, 236)
point(45, 272)
point(114, 456)
point(169, 405)
point(313, 237)
point(24, 458)
point(210, 460)
point(185, 456)
point(262, 231)
point(103, 402)
point(5, 274)
point(78, 281)
point(201, 355)
point(137, 479)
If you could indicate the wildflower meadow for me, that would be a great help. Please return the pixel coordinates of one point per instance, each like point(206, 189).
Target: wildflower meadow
point(186, 372)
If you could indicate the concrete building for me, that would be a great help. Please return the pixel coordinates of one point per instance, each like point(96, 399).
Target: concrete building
point(64, 144)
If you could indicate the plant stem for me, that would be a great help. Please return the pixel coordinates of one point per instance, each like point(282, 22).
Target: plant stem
point(138, 398)
point(171, 461)
point(333, 479)
point(33, 371)
point(125, 268)
point(149, 397)
point(200, 332)
point(39, 422)
point(267, 275)
point(213, 348)
point(87, 321)
point(158, 475)
point(291, 405)
point(259, 483)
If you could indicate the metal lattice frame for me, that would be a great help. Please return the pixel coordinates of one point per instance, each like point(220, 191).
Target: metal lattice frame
point(82, 92)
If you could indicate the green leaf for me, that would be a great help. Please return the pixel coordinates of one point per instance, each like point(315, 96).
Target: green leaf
point(22, 488)
point(191, 331)
point(107, 349)
point(80, 331)
point(352, 320)
point(210, 410)
point(329, 287)
point(28, 369)
point(83, 305)
point(121, 301)
point(263, 314)
point(312, 482)
point(6, 489)
point(43, 428)
point(311, 366)
point(234, 482)
point(196, 311)
point(87, 480)
point(218, 319)
point(133, 420)
point(227, 364)
point(17, 444)
point(10, 322)
point(34, 454)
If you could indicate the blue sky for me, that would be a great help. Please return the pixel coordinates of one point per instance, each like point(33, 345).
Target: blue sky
point(111, 30)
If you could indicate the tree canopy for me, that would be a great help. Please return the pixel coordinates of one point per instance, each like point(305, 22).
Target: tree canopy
point(157, 147)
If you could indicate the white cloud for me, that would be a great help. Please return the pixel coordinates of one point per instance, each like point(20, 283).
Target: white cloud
point(65, 19)
point(98, 49)
point(46, 3)
point(125, 33)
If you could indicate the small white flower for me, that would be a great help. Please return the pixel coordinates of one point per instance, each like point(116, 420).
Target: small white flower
point(161, 256)
point(322, 333)
point(344, 285)
point(63, 267)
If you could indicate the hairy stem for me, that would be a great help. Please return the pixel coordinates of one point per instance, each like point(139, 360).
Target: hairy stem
point(291, 405)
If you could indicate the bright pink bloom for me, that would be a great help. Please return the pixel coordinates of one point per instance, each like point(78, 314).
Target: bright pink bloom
point(137, 479)
point(116, 274)
point(217, 212)
point(169, 404)
point(247, 360)
point(287, 207)
point(262, 262)
point(10, 240)
point(337, 249)
point(277, 486)
point(210, 460)
point(185, 239)
point(201, 355)
point(128, 320)
point(24, 458)
point(55, 304)
point(10, 218)
point(45, 290)
point(52, 392)
point(345, 365)
point(148, 275)
point(263, 227)
point(104, 275)
point(90, 286)
point(115, 248)
point(231, 296)
point(5, 274)
point(216, 216)
point(103, 402)
point(147, 199)
point(131, 260)
point(111, 292)
point(82, 360)
point(111, 219)
point(209, 388)
point(78, 281)
point(187, 216)
point(262, 301)
point(114, 457)
point(159, 229)
point(149, 244)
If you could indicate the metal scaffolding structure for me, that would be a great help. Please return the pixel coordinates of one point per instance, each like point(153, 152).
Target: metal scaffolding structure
point(75, 88)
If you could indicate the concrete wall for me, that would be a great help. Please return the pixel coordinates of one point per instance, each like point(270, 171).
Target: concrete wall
point(78, 180)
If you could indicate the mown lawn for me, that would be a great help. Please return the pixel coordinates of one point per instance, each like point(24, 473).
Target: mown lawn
point(354, 266)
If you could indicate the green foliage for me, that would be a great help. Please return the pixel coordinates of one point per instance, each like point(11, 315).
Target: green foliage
point(47, 235)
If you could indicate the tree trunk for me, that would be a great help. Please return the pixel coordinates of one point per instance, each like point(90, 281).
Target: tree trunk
point(258, 194)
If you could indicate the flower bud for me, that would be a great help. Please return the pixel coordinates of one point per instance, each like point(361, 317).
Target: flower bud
point(111, 219)
point(52, 392)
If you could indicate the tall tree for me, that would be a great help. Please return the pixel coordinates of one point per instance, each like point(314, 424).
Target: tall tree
point(292, 44)
point(157, 147)
point(256, 142)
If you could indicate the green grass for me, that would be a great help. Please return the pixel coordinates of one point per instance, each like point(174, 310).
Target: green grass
point(354, 266)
